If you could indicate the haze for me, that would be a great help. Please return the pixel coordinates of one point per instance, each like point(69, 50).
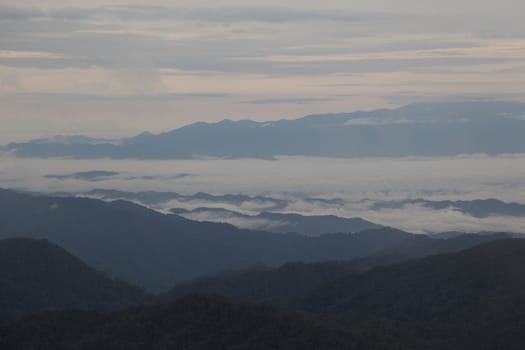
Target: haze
point(117, 68)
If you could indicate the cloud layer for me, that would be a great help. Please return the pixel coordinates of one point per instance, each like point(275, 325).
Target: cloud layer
point(346, 188)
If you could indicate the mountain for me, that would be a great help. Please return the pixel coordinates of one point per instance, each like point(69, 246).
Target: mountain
point(195, 323)
point(92, 175)
point(312, 225)
point(71, 140)
point(154, 198)
point(36, 275)
point(473, 299)
point(157, 251)
point(264, 285)
point(419, 246)
point(413, 130)
point(291, 281)
point(479, 208)
point(470, 300)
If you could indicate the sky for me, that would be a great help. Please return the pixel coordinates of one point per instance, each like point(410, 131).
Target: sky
point(115, 68)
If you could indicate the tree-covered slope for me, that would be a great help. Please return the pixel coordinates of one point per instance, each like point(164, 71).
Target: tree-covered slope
point(193, 323)
point(474, 299)
point(286, 283)
point(37, 275)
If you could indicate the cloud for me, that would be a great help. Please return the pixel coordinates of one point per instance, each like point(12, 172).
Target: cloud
point(227, 14)
point(29, 54)
point(144, 96)
point(246, 222)
point(13, 13)
point(89, 64)
point(256, 14)
point(376, 121)
point(92, 175)
point(293, 100)
point(418, 219)
point(289, 184)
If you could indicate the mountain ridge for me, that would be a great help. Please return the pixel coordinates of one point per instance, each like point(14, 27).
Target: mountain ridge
point(156, 250)
point(36, 275)
point(412, 130)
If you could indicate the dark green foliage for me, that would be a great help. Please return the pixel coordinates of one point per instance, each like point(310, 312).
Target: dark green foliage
point(276, 286)
point(37, 275)
point(469, 300)
point(198, 322)
point(294, 280)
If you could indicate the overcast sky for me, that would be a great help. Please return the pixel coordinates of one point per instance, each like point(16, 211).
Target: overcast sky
point(119, 67)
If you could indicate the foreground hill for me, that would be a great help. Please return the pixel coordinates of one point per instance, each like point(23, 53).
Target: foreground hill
point(37, 275)
point(470, 300)
point(196, 322)
point(413, 130)
point(157, 251)
point(474, 299)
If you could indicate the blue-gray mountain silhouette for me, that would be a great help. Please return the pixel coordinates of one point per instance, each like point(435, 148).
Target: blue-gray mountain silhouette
point(426, 129)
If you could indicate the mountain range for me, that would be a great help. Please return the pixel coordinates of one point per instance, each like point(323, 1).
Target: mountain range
point(309, 225)
point(157, 251)
point(471, 299)
point(288, 282)
point(479, 208)
point(275, 214)
point(413, 130)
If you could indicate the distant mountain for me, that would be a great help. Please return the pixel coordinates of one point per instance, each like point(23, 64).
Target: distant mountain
point(291, 281)
point(474, 299)
point(36, 275)
point(314, 225)
point(197, 322)
point(92, 175)
point(71, 140)
point(154, 198)
point(418, 246)
point(157, 251)
point(480, 208)
point(426, 129)
point(452, 234)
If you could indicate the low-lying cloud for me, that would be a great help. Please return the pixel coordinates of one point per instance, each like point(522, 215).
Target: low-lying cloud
point(310, 186)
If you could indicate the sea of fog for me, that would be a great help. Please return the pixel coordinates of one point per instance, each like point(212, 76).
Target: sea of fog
point(358, 182)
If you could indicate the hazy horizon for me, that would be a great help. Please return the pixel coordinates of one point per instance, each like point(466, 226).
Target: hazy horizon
point(116, 68)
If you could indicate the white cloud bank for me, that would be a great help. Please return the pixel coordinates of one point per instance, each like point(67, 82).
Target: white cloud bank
point(358, 182)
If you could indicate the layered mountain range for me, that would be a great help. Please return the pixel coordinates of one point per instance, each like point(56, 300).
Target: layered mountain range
point(470, 299)
point(157, 251)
